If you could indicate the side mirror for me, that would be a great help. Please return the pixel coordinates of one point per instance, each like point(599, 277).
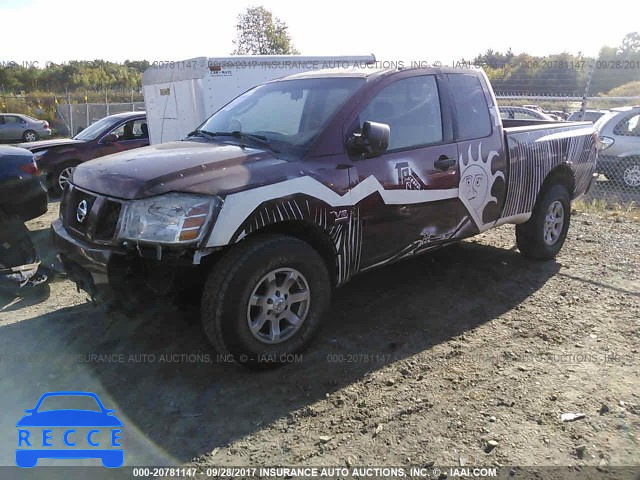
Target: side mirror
point(373, 140)
point(111, 138)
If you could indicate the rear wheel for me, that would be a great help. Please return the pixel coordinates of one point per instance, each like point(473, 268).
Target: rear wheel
point(29, 136)
point(543, 235)
point(265, 300)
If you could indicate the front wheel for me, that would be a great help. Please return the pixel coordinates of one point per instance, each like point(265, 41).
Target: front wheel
point(61, 177)
point(543, 235)
point(265, 299)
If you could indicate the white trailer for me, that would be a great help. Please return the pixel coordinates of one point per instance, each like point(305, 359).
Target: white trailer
point(179, 96)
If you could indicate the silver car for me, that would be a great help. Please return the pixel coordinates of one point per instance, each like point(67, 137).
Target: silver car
point(508, 112)
point(589, 116)
point(15, 126)
point(619, 157)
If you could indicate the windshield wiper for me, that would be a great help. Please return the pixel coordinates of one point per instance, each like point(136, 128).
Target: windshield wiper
point(201, 133)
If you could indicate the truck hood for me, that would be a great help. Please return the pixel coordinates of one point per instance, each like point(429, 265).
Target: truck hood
point(184, 166)
point(42, 144)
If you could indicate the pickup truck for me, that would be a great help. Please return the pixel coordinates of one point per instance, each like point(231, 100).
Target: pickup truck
point(301, 183)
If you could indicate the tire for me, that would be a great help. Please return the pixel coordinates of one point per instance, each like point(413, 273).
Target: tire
point(247, 271)
point(543, 235)
point(30, 136)
point(61, 176)
point(630, 175)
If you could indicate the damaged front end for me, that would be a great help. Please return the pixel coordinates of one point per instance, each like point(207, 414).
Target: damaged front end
point(145, 247)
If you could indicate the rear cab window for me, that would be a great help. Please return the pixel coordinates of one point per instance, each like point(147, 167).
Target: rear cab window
point(472, 110)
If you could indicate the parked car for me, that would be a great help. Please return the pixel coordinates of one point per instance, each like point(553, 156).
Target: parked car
point(115, 133)
point(357, 170)
point(559, 114)
point(15, 126)
point(22, 192)
point(534, 107)
point(22, 197)
point(522, 113)
point(589, 116)
point(619, 159)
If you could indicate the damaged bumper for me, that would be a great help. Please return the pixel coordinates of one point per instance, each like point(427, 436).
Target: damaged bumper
point(103, 271)
point(86, 265)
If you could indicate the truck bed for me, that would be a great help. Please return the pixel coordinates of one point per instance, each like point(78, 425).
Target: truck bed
point(535, 147)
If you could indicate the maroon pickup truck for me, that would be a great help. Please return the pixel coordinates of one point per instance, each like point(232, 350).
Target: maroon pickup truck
point(299, 184)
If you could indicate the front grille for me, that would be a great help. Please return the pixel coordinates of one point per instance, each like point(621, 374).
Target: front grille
point(75, 221)
point(106, 227)
point(99, 223)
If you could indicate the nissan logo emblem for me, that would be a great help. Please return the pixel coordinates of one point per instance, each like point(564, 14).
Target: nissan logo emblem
point(81, 211)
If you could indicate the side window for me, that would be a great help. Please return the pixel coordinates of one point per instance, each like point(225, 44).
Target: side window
point(132, 130)
point(629, 126)
point(472, 110)
point(11, 120)
point(411, 108)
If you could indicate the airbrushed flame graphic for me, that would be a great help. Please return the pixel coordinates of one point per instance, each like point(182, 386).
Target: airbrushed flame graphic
point(476, 182)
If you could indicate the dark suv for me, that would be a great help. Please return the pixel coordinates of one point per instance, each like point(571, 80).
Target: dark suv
point(112, 134)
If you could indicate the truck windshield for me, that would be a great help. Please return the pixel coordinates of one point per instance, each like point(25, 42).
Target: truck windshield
point(95, 130)
point(287, 115)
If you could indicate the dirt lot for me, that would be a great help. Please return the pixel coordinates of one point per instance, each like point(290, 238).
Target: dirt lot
point(424, 361)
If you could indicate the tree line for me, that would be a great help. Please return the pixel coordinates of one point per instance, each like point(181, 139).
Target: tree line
point(260, 33)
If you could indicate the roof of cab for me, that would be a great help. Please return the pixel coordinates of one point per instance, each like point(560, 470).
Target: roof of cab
point(369, 71)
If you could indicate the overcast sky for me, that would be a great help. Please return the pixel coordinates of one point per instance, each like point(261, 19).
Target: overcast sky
point(62, 30)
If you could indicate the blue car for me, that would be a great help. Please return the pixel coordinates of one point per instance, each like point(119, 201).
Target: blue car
point(35, 435)
point(22, 191)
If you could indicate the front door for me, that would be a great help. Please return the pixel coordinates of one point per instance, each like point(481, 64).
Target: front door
point(408, 196)
point(131, 134)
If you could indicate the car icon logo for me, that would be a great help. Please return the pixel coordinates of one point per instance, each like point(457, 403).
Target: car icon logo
point(75, 433)
point(81, 211)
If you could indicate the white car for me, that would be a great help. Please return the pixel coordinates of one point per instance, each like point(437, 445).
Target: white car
point(619, 156)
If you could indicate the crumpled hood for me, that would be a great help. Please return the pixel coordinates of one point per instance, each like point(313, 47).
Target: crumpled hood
point(184, 166)
point(42, 144)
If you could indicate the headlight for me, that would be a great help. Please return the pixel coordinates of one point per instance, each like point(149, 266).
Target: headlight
point(170, 218)
point(606, 142)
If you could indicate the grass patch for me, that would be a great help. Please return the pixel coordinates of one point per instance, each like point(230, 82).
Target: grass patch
point(629, 211)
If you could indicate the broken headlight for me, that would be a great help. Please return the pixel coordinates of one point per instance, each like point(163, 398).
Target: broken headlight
point(170, 218)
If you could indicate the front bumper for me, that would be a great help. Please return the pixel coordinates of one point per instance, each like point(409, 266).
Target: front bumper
point(108, 272)
point(86, 265)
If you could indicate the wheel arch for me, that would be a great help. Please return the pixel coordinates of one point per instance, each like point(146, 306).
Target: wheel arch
point(559, 175)
point(308, 232)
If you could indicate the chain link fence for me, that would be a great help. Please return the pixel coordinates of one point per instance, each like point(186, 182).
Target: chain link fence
point(78, 116)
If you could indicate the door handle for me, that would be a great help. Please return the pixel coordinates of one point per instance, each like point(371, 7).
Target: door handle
point(444, 163)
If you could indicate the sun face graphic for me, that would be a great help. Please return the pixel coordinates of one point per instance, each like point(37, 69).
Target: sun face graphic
point(476, 182)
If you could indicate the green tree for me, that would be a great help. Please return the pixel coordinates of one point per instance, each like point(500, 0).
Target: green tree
point(630, 43)
point(259, 33)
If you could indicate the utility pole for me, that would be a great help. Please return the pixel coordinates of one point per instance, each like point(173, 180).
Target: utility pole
point(585, 95)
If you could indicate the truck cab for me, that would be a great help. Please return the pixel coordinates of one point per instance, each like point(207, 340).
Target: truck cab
point(301, 183)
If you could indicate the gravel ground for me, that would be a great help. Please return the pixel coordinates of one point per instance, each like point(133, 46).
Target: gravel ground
point(466, 356)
